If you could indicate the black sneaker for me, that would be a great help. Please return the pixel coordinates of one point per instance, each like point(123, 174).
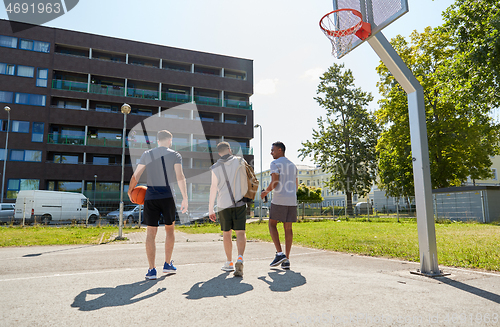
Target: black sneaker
point(285, 264)
point(277, 260)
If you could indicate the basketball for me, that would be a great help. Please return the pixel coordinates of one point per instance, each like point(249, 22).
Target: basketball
point(138, 194)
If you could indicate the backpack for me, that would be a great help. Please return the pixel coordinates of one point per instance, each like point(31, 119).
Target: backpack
point(252, 181)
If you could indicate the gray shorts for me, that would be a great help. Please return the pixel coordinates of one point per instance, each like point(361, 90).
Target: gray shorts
point(285, 214)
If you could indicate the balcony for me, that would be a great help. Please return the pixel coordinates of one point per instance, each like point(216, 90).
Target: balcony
point(210, 101)
point(113, 143)
point(142, 94)
point(238, 104)
point(69, 85)
point(107, 89)
point(65, 139)
point(175, 97)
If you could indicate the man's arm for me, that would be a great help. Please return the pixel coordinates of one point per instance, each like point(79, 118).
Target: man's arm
point(211, 199)
point(275, 179)
point(181, 181)
point(135, 179)
point(296, 184)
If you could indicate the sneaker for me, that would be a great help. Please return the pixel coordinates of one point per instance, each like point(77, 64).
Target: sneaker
point(169, 267)
point(228, 266)
point(277, 260)
point(151, 274)
point(239, 269)
point(285, 264)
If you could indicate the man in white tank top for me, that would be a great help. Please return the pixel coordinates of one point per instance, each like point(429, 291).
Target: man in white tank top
point(284, 182)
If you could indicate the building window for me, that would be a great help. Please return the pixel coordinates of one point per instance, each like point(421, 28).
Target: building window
point(495, 175)
point(37, 132)
point(69, 186)
point(65, 158)
point(26, 155)
point(30, 99)
point(8, 42)
point(100, 161)
point(7, 69)
point(37, 46)
point(16, 185)
point(6, 97)
point(25, 71)
point(308, 183)
point(42, 77)
point(19, 126)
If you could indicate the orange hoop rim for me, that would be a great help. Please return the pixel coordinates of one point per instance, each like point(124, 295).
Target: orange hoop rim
point(348, 31)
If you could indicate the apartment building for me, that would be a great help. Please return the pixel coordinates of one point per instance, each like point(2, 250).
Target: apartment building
point(65, 90)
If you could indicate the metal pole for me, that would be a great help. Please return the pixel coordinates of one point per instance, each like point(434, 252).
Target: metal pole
point(261, 185)
point(420, 152)
point(125, 110)
point(6, 108)
point(95, 187)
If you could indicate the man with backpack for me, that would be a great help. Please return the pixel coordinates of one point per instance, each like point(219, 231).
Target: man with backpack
point(229, 185)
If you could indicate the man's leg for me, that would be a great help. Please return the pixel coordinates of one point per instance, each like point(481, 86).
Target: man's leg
point(273, 230)
point(228, 244)
point(288, 238)
point(169, 242)
point(241, 241)
point(151, 245)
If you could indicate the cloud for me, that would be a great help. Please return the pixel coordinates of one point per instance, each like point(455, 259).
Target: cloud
point(313, 74)
point(266, 86)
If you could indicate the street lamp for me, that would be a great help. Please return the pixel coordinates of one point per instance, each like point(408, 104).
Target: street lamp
point(261, 185)
point(95, 187)
point(6, 108)
point(125, 111)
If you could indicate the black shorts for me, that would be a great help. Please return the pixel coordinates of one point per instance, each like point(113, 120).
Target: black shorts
point(154, 208)
point(233, 218)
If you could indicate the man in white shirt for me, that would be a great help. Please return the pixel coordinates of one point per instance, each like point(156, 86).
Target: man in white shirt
point(284, 182)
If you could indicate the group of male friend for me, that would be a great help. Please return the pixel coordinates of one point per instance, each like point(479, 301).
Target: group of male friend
point(164, 169)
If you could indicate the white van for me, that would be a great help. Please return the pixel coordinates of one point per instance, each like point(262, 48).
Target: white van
point(52, 206)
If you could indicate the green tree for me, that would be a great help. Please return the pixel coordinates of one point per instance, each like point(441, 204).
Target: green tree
point(475, 29)
point(309, 194)
point(461, 138)
point(344, 142)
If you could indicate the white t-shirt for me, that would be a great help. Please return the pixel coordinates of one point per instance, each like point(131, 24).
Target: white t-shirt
point(285, 193)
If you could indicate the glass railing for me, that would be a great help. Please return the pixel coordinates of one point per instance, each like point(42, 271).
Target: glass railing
point(175, 97)
point(69, 85)
point(107, 89)
point(237, 104)
point(65, 139)
point(114, 143)
point(208, 101)
point(142, 94)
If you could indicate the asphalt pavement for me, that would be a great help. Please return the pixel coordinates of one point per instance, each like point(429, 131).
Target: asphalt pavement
point(104, 285)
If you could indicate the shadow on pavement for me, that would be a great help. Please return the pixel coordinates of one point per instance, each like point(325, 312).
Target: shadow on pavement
point(115, 296)
point(218, 286)
point(471, 289)
point(283, 281)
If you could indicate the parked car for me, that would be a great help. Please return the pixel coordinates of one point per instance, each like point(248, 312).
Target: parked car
point(130, 214)
point(7, 212)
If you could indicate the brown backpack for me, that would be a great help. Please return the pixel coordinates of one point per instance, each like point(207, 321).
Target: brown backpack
point(252, 182)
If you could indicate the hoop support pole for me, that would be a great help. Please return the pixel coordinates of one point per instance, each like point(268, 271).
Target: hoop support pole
point(420, 152)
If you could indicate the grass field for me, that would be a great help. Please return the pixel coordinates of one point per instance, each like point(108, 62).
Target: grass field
point(40, 235)
point(469, 245)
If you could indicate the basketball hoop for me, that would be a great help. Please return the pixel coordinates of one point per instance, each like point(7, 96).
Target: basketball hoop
point(342, 26)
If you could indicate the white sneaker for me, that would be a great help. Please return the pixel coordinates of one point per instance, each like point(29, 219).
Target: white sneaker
point(228, 266)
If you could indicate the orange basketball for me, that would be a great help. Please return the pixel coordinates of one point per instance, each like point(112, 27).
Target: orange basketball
point(138, 194)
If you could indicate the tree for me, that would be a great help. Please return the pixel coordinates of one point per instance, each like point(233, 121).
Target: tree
point(344, 142)
point(475, 29)
point(461, 137)
point(309, 194)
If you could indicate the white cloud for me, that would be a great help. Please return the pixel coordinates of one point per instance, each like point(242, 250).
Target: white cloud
point(266, 86)
point(313, 74)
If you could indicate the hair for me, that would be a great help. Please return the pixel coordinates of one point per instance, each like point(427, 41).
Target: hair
point(280, 145)
point(223, 146)
point(163, 135)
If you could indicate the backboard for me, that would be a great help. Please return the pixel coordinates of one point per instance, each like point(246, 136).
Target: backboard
point(379, 13)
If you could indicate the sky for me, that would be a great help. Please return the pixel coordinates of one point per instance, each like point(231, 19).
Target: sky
point(283, 38)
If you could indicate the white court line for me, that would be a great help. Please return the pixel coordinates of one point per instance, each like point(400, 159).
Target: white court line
point(128, 269)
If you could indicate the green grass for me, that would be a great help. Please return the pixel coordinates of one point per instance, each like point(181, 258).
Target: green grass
point(469, 245)
point(40, 235)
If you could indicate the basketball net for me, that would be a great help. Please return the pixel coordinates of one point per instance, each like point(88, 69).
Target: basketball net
point(342, 27)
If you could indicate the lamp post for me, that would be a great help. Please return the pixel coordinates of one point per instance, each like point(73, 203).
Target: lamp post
point(95, 187)
point(261, 185)
point(6, 108)
point(125, 111)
